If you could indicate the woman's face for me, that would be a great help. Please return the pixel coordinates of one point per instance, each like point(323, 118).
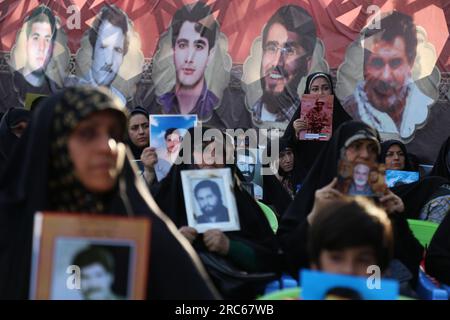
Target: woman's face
point(96, 151)
point(395, 158)
point(320, 86)
point(362, 150)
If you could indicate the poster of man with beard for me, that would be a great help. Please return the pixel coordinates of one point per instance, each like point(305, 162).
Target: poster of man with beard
point(288, 41)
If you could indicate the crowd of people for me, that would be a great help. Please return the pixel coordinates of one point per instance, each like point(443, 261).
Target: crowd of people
point(59, 157)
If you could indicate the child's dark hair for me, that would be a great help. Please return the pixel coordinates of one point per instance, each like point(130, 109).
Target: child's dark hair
point(354, 223)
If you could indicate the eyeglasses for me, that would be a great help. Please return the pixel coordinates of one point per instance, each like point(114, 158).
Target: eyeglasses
point(288, 51)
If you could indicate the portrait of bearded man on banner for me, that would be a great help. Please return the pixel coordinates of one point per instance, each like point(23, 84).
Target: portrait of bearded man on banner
point(110, 55)
point(392, 95)
point(287, 51)
point(39, 59)
point(191, 68)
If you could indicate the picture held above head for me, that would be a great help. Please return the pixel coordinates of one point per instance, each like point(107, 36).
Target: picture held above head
point(72, 159)
point(395, 156)
point(306, 152)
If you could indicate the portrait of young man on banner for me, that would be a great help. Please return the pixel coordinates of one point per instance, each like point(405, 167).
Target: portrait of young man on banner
point(181, 71)
point(249, 163)
point(39, 43)
point(288, 42)
point(115, 61)
point(388, 97)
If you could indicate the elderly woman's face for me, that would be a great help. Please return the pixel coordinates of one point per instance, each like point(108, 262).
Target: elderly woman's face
point(96, 151)
point(362, 150)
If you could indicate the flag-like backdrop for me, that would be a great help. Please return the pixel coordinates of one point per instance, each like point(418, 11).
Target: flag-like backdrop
point(239, 63)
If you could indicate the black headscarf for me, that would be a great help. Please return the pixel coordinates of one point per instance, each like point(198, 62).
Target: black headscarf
point(137, 151)
point(389, 143)
point(7, 138)
point(306, 152)
point(25, 188)
point(441, 166)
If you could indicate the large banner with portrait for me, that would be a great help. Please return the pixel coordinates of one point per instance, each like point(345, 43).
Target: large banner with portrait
point(239, 63)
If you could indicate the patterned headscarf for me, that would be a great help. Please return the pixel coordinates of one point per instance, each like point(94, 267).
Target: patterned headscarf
point(66, 193)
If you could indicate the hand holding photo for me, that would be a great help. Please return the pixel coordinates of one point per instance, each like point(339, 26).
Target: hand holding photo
point(209, 200)
point(317, 112)
point(361, 178)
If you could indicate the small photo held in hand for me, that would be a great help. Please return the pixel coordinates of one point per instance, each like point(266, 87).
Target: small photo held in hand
point(166, 135)
point(361, 178)
point(209, 200)
point(317, 112)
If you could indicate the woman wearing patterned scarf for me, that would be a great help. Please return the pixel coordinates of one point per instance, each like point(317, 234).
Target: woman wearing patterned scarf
point(72, 159)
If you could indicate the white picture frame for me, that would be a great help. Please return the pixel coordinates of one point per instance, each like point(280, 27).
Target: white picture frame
point(213, 181)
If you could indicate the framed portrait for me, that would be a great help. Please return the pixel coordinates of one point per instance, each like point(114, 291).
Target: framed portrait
point(361, 178)
point(398, 177)
point(209, 200)
point(166, 135)
point(89, 257)
point(318, 285)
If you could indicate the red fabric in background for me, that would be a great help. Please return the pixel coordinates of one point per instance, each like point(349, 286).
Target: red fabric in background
point(338, 21)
